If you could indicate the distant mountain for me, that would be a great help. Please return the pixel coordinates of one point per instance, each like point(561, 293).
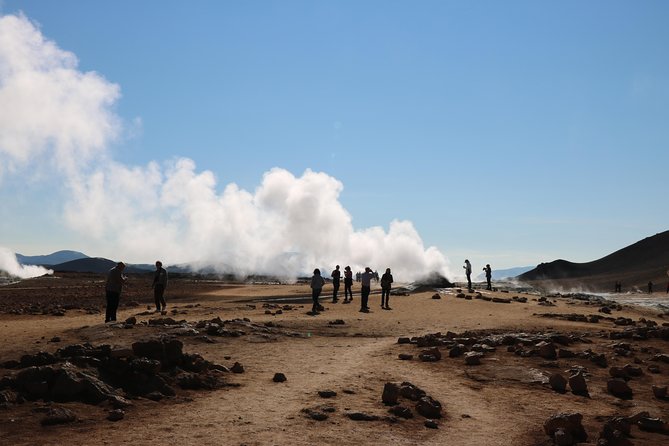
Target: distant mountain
point(634, 266)
point(499, 274)
point(50, 259)
point(96, 265)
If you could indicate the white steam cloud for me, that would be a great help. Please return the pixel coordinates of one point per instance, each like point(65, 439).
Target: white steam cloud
point(171, 211)
point(48, 109)
point(9, 264)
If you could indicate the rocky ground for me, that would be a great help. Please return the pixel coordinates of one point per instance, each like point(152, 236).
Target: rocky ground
point(246, 364)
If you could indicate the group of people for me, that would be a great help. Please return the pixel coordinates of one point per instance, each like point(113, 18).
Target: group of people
point(468, 272)
point(115, 281)
point(317, 283)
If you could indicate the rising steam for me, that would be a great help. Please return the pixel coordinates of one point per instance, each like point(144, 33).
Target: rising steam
point(10, 265)
point(169, 210)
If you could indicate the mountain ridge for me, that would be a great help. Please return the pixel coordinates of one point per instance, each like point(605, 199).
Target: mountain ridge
point(634, 266)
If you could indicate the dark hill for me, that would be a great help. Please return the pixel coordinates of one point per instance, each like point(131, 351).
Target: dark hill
point(96, 265)
point(634, 266)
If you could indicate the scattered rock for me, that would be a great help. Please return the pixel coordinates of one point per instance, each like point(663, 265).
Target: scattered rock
point(411, 392)
point(58, 415)
point(431, 424)
point(619, 388)
point(391, 394)
point(116, 415)
point(279, 378)
point(361, 416)
point(401, 411)
point(473, 358)
point(315, 414)
point(570, 424)
point(547, 350)
point(237, 368)
point(405, 356)
point(660, 392)
point(430, 355)
point(428, 407)
point(578, 385)
point(327, 393)
point(558, 382)
point(649, 424)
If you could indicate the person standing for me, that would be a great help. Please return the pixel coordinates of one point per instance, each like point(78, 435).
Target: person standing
point(386, 281)
point(336, 276)
point(650, 287)
point(159, 285)
point(317, 283)
point(348, 284)
point(366, 288)
point(115, 281)
point(488, 277)
point(468, 272)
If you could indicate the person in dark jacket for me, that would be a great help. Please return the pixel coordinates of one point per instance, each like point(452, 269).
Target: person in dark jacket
point(336, 277)
point(113, 287)
point(159, 285)
point(488, 277)
point(386, 281)
point(317, 283)
point(468, 273)
point(348, 284)
point(365, 289)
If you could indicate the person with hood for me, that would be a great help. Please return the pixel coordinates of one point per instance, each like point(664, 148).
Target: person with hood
point(468, 272)
point(113, 287)
point(317, 283)
point(386, 281)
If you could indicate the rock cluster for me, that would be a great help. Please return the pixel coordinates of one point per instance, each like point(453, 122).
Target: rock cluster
point(617, 431)
point(151, 368)
point(566, 429)
point(425, 405)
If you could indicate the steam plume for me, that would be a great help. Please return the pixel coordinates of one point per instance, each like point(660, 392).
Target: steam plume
point(9, 264)
point(170, 210)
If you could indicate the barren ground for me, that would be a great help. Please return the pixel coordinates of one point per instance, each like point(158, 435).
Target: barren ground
point(503, 401)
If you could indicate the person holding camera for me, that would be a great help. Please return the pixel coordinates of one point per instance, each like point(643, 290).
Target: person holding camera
point(488, 277)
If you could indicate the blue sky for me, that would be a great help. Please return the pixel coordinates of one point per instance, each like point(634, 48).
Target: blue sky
point(509, 133)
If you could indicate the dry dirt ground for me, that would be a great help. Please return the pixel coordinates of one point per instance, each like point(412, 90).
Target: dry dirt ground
point(503, 401)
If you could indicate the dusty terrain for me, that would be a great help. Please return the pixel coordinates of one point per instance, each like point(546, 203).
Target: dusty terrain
point(503, 401)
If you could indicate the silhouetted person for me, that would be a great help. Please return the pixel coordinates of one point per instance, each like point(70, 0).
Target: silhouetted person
point(159, 285)
point(115, 281)
point(650, 287)
point(619, 287)
point(468, 272)
point(336, 276)
point(366, 288)
point(386, 281)
point(667, 288)
point(317, 283)
point(348, 285)
point(488, 277)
